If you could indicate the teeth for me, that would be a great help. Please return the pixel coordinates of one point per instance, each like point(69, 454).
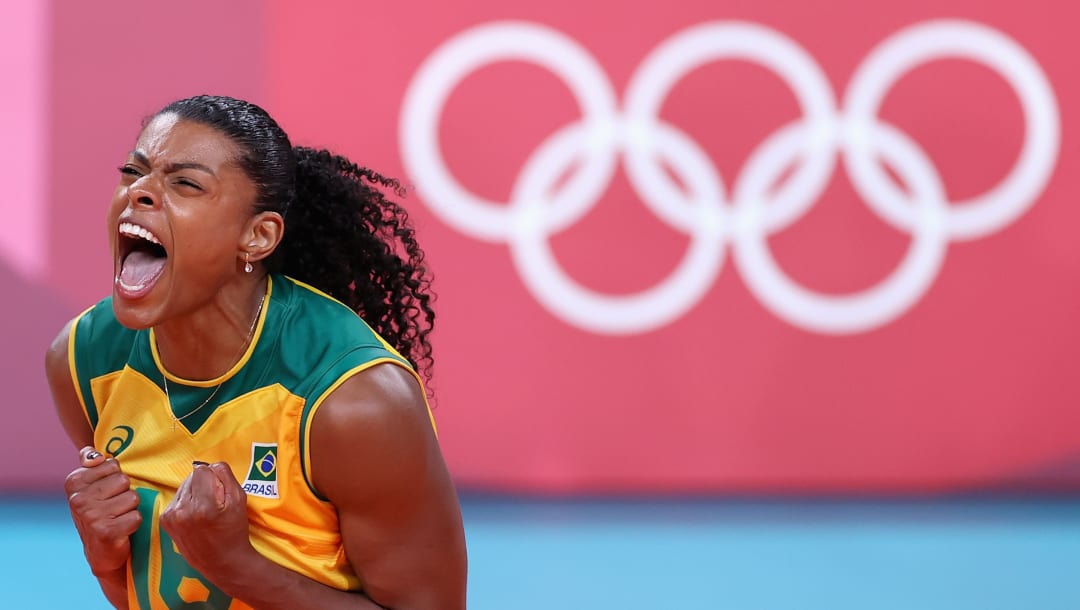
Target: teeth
point(133, 230)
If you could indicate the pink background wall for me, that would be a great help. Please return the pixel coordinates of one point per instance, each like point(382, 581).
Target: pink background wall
point(968, 386)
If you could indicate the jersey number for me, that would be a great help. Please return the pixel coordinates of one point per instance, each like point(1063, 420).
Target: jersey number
point(179, 585)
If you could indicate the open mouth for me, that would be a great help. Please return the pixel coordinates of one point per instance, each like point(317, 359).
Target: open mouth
point(142, 260)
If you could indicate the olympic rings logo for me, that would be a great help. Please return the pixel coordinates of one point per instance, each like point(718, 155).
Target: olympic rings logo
point(711, 214)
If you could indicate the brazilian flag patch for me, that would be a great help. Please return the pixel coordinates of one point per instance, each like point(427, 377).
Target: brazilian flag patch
point(262, 475)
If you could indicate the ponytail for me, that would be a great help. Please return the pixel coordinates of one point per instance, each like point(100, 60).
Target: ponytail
point(344, 237)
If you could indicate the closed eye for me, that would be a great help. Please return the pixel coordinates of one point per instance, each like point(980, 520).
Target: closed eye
point(129, 170)
point(188, 183)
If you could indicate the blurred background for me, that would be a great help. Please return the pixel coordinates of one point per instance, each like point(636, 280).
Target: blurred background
point(750, 305)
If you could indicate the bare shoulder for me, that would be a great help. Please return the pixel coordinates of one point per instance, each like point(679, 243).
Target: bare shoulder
point(62, 385)
point(382, 399)
point(56, 356)
point(377, 417)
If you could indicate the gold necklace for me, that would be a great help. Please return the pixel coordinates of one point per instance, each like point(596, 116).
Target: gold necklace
point(243, 347)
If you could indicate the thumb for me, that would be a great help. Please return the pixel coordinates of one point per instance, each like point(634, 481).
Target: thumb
point(90, 457)
point(229, 488)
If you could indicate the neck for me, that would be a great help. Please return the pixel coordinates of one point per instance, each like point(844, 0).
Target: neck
point(206, 343)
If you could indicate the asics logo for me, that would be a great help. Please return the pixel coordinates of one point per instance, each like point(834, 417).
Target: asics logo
point(712, 211)
point(120, 441)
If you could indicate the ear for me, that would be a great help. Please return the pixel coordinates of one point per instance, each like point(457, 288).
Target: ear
point(261, 236)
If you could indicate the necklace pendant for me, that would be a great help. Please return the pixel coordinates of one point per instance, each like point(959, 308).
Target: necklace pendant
point(244, 346)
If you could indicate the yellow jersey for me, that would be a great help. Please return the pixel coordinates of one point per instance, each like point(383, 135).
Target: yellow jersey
point(256, 418)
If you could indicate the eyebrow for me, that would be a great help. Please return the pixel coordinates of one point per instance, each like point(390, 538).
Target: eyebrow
point(172, 167)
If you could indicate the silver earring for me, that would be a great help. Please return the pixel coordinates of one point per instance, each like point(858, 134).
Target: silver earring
point(247, 263)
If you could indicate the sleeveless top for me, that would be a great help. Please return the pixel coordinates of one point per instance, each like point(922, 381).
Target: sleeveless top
point(304, 346)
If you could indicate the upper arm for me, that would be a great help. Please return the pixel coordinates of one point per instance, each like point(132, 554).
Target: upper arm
point(61, 382)
point(375, 457)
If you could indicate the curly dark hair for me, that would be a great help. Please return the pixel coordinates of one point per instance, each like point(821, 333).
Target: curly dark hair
point(342, 234)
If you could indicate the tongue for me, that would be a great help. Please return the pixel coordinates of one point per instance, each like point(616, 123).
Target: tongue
point(141, 268)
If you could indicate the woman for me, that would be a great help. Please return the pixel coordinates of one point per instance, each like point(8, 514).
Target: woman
point(247, 439)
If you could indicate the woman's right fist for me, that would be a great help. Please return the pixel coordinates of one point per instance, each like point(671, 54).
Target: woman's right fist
point(104, 509)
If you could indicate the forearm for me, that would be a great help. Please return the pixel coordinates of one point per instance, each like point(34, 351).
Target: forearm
point(266, 585)
point(114, 586)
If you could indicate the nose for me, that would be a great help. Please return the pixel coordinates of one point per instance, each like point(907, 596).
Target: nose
point(142, 193)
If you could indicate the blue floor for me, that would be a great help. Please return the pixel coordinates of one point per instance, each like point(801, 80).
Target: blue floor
point(1015, 554)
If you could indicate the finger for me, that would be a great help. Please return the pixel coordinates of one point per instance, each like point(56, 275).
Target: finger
point(115, 519)
point(107, 519)
point(126, 502)
point(110, 485)
point(127, 523)
point(183, 494)
point(86, 505)
point(83, 477)
point(178, 508)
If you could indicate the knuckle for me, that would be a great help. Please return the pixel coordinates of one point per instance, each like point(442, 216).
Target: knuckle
point(113, 485)
point(74, 481)
point(97, 529)
point(129, 522)
point(78, 501)
point(131, 497)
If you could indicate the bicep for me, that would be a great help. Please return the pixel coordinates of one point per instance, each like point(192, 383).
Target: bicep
point(65, 398)
point(400, 519)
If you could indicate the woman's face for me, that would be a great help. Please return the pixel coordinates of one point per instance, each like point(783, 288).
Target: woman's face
point(177, 221)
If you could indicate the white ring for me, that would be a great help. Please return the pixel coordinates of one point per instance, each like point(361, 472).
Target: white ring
point(915, 45)
point(560, 294)
point(870, 308)
point(543, 204)
point(708, 42)
point(467, 52)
